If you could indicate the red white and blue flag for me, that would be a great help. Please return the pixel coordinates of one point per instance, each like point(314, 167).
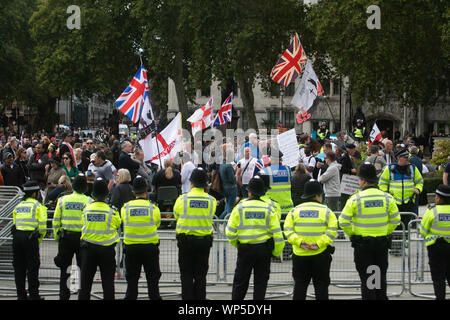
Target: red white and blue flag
point(132, 100)
point(290, 65)
point(223, 116)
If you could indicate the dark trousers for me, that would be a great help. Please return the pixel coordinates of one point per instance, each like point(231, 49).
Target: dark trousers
point(146, 255)
point(366, 255)
point(343, 201)
point(439, 261)
point(333, 203)
point(26, 264)
point(250, 257)
point(317, 268)
point(93, 256)
point(193, 256)
point(68, 246)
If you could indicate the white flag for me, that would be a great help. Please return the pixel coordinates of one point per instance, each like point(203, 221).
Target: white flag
point(308, 90)
point(202, 118)
point(375, 134)
point(169, 143)
point(146, 119)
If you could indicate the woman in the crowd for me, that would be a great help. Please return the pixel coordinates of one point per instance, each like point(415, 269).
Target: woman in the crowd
point(301, 176)
point(22, 160)
point(69, 166)
point(53, 172)
point(122, 192)
point(167, 177)
point(63, 188)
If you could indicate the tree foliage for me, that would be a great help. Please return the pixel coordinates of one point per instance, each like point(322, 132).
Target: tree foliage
point(405, 59)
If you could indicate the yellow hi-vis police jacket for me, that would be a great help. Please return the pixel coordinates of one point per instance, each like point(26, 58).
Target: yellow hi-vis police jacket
point(313, 223)
point(100, 224)
point(280, 185)
point(30, 215)
point(369, 213)
point(141, 219)
point(69, 213)
point(194, 212)
point(435, 224)
point(253, 222)
point(401, 186)
point(276, 206)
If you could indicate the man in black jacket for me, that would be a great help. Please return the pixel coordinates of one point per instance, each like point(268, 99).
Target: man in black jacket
point(11, 172)
point(125, 160)
point(348, 167)
point(36, 165)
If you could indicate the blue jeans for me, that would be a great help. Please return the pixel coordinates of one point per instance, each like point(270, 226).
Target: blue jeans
point(230, 195)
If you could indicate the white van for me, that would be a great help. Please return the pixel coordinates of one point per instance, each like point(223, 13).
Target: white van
point(123, 129)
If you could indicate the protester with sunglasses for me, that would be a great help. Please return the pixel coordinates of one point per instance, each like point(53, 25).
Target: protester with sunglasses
point(69, 166)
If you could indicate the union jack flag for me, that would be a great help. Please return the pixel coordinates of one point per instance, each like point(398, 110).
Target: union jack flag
point(289, 67)
point(131, 101)
point(224, 114)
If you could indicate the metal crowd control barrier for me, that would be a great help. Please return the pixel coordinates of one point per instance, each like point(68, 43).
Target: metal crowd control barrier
point(419, 275)
point(345, 281)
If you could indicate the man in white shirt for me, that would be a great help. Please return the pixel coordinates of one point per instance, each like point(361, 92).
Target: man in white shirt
point(246, 170)
point(186, 172)
point(309, 160)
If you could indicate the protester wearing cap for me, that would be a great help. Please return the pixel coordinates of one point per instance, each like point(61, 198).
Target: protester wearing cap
point(29, 228)
point(194, 212)
point(141, 219)
point(280, 181)
point(98, 238)
point(254, 229)
point(67, 225)
point(435, 227)
point(311, 228)
point(369, 218)
point(404, 182)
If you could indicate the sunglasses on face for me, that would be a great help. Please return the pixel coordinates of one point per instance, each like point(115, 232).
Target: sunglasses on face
point(90, 143)
point(65, 158)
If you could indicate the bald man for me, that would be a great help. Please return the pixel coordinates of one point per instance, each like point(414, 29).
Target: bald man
point(125, 161)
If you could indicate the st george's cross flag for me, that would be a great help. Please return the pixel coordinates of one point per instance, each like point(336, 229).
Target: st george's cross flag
point(223, 116)
point(202, 118)
point(375, 135)
point(290, 65)
point(132, 100)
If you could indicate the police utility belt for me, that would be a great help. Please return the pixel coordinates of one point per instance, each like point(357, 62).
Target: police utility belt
point(183, 237)
point(63, 233)
point(359, 241)
point(269, 243)
point(32, 234)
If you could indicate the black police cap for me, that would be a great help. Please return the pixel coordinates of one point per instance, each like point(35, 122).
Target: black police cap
point(80, 184)
point(312, 188)
point(368, 172)
point(199, 178)
point(256, 186)
point(139, 184)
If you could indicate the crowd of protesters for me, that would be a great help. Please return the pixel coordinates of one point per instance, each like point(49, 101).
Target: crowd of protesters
point(54, 160)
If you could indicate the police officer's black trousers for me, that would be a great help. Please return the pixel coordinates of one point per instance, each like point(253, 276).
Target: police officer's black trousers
point(315, 267)
point(26, 263)
point(439, 261)
point(193, 256)
point(374, 254)
point(68, 246)
point(138, 255)
point(250, 257)
point(93, 256)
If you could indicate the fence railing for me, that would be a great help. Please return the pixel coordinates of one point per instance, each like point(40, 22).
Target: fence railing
point(406, 272)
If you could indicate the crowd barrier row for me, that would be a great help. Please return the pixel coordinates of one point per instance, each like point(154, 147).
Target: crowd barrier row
point(408, 272)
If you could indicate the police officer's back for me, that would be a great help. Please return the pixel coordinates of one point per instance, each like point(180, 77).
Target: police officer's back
point(67, 224)
point(141, 219)
point(98, 239)
point(30, 222)
point(368, 218)
point(194, 212)
point(254, 228)
point(311, 228)
point(435, 226)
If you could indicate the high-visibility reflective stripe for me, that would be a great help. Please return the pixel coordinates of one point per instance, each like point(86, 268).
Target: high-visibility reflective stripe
point(276, 230)
point(272, 189)
point(194, 228)
point(56, 220)
point(327, 217)
point(347, 224)
point(72, 219)
point(93, 231)
point(140, 236)
point(441, 228)
point(253, 227)
point(419, 180)
point(255, 207)
point(394, 222)
point(104, 243)
point(231, 229)
point(330, 235)
point(405, 187)
point(344, 216)
point(289, 235)
point(232, 237)
point(384, 179)
point(395, 215)
point(310, 234)
point(26, 220)
point(71, 226)
point(437, 237)
point(332, 229)
point(370, 196)
point(288, 229)
point(370, 225)
point(251, 237)
point(371, 216)
point(192, 217)
point(309, 224)
point(423, 228)
point(278, 239)
point(141, 224)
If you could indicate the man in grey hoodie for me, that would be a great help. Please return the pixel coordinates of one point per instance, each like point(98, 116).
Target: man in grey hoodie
point(331, 182)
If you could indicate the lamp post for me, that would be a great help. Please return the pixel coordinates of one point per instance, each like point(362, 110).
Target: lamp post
point(281, 103)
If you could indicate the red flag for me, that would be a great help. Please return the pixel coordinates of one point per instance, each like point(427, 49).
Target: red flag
point(375, 135)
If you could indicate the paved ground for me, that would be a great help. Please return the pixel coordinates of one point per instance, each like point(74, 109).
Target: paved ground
point(221, 270)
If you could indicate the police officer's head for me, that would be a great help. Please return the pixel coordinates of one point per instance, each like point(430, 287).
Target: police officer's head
point(256, 188)
point(31, 189)
point(313, 191)
point(80, 184)
point(100, 189)
point(199, 178)
point(367, 175)
point(266, 178)
point(323, 124)
point(402, 157)
point(442, 194)
point(140, 187)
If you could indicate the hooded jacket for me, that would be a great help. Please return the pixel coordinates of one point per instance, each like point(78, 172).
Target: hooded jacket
point(331, 180)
